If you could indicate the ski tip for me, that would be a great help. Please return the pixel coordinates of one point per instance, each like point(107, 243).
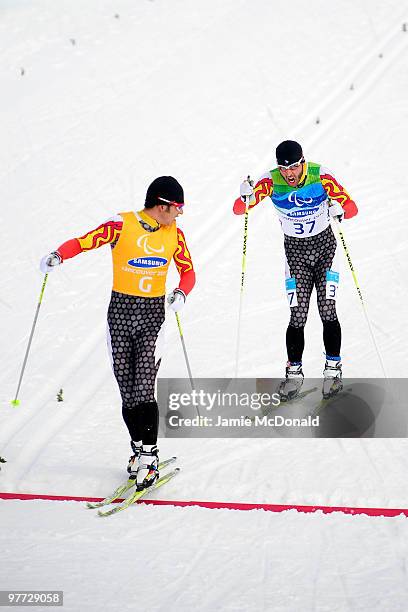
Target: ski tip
point(177, 469)
point(15, 402)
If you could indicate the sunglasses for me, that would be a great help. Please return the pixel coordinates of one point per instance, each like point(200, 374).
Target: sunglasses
point(178, 205)
point(294, 165)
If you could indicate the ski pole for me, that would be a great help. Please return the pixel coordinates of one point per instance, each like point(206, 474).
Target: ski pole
point(184, 350)
point(360, 295)
point(243, 268)
point(186, 356)
point(16, 401)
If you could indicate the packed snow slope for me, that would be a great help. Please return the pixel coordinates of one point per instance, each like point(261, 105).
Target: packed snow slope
point(98, 98)
point(182, 559)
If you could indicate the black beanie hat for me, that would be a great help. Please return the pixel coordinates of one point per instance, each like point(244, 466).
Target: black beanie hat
point(164, 187)
point(288, 152)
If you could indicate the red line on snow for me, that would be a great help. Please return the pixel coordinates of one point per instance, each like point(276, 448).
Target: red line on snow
point(223, 505)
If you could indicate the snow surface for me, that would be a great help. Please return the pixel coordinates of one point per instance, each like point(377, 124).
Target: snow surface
point(97, 99)
point(187, 559)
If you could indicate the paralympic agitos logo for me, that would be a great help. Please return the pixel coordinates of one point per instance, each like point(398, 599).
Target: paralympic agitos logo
point(151, 260)
point(293, 198)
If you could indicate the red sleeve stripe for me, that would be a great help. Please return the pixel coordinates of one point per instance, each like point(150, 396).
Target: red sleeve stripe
point(262, 190)
point(182, 257)
point(104, 234)
point(334, 190)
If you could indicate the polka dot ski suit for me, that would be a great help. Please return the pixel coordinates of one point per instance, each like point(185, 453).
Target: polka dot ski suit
point(134, 324)
point(308, 260)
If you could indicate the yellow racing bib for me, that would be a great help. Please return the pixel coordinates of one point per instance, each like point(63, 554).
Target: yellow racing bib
point(141, 259)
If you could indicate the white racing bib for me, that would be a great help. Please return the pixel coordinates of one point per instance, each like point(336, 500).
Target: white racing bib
point(306, 224)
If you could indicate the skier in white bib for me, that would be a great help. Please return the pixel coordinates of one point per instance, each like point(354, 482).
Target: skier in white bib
point(305, 196)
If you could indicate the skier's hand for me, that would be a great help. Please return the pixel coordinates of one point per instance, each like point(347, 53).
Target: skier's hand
point(176, 300)
point(336, 211)
point(350, 209)
point(49, 262)
point(246, 191)
point(239, 207)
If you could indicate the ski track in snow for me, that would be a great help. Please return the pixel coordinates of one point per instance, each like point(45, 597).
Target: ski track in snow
point(363, 77)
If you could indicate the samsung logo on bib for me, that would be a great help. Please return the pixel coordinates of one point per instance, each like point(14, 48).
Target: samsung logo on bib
point(147, 262)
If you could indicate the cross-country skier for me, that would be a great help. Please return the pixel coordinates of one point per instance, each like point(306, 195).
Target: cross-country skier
point(305, 196)
point(143, 244)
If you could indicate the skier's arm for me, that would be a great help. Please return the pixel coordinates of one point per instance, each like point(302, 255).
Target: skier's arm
point(263, 188)
point(337, 193)
point(184, 264)
point(106, 233)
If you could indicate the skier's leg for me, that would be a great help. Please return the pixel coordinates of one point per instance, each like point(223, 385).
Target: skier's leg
point(299, 285)
point(326, 281)
point(120, 346)
point(332, 338)
point(325, 276)
point(295, 343)
point(148, 357)
point(147, 363)
point(121, 317)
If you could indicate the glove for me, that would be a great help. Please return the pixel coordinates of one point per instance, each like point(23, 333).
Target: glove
point(49, 262)
point(246, 190)
point(176, 300)
point(336, 211)
point(350, 209)
point(239, 207)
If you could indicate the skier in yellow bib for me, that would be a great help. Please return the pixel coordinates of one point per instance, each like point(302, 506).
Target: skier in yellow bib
point(143, 244)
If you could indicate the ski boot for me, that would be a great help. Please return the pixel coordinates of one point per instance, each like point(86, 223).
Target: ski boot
point(148, 471)
point(332, 382)
point(133, 464)
point(290, 387)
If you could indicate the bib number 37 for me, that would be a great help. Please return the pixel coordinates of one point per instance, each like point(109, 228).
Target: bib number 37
point(306, 227)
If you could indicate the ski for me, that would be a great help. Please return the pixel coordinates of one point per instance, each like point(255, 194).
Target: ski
point(137, 495)
point(325, 401)
point(300, 396)
point(124, 487)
